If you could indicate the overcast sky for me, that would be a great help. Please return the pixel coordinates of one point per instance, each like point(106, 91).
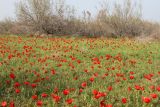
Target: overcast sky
point(151, 8)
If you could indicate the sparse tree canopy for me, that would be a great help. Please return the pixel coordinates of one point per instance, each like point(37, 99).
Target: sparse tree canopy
point(35, 13)
point(45, 16)
point(56, 17)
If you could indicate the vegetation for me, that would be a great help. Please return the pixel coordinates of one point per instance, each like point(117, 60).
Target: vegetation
point(73, 70)
point(78, 72)
point(55, 17)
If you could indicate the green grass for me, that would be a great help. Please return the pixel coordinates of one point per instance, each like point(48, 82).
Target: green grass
point(34, 59)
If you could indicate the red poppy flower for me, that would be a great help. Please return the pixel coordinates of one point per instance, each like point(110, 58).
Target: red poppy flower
point(44, 95)
point(11, 104)
point(33, 85)
point(12, 76)
point(102, 103)
point(158, 88)
point(131, 72)
point(86, 70)
point(1, 63)
point(95, 74)
point(53, 71)
point(152, 87)
point(97, 96)
point(56, 98)
point(80, 90)
point(95, 92)
point(26, 83)
point(16, 84)
point(4, 104)
point(17, 91)
point(91, 79)
point(131, 77)
point(108, 57)
point(129, 88)
point(84, 84)
point(124, 100)
point(137, 87)
point(34, 97)
point(148, 77)
point(78, 61)
point(142, 88)
point(154, 95)
point(109, 88)
point(146, 99)
point(39, 103)
point(66, 92)
point(69, 101)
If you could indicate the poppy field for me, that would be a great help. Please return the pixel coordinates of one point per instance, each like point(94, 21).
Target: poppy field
point(78, 72)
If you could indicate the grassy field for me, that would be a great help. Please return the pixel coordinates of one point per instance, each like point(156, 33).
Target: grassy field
point(78, 72)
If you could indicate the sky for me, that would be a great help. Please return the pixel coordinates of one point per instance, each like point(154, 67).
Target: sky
point(150, 9)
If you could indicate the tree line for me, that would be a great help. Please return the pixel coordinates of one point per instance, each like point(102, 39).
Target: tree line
point(55, 17)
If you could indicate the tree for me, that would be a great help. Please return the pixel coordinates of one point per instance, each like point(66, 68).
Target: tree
point(34, 13)
point(126, 18)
